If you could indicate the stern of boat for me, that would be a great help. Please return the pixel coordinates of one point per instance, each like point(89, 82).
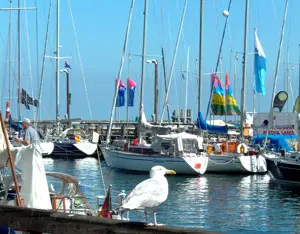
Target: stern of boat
point(254, 163)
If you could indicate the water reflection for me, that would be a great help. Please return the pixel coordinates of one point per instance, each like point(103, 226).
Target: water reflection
point(215, 202)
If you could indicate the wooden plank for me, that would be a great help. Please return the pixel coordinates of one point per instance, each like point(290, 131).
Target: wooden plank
point(36, 220)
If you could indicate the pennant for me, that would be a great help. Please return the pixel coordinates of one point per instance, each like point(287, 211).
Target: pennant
point(218, 102)
point(260, 67)
point(67, 65)
point(106, 207)
point(131, 90)
point(121, 94)
point(231, 105)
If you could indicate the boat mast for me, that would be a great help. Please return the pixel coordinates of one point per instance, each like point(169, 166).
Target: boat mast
point(200, 56)
point(278, 63)
point(299, 73)
point(19, 59)
point(143, 58)
point(244, 71)
point(9, 53)
point(57, 65)
point(120, 73)
point(186, 83)
point(173, 61)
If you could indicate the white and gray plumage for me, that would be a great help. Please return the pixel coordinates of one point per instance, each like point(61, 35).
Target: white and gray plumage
point(150, 193)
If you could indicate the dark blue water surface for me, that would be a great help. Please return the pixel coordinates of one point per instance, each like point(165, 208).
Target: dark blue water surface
point(214, 202)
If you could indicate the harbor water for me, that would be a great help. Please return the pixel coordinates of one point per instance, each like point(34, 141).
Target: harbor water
point(213, 202)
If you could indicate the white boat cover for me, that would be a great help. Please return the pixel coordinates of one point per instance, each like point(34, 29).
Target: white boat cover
point(87, 148)
point(34, 189)
point(144, 126)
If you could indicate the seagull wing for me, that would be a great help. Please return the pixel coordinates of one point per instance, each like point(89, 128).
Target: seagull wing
point(147, 194)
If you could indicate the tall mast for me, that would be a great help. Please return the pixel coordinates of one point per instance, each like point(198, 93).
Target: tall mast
point(244, 70)
point(120, 73)
point(57, 66)
point(299, 73)
point(19, 59)
point(278, 59)
point(186, 83)
point(143, 57)
point(9, 52)
point(200, 56)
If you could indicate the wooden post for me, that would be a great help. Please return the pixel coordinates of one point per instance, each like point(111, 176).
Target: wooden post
point(11, 161)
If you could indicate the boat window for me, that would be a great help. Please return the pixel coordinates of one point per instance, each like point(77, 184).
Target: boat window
point(190, 145)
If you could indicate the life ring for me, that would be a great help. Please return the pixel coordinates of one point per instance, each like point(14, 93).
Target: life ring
point(209, 149)
point(77, 138)
point(242, 148)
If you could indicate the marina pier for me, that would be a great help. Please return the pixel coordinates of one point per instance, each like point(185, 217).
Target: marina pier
point(41, 221)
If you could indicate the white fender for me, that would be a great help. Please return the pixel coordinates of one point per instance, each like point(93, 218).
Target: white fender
point(242, 148)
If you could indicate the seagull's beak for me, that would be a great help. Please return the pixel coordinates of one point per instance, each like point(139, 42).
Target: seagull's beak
point(171, 172)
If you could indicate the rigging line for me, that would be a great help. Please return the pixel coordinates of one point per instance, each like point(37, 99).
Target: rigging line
point(37, 45)
point(80, 61)
point(277, 69)
point(173, 61)
point(183, 37)
point(43, 62)
point(274, 10)
point(171, 42)
point(120, 71)
point(28, 48)
point(218, 60)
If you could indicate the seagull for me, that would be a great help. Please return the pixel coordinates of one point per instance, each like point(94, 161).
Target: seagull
point(150, 193)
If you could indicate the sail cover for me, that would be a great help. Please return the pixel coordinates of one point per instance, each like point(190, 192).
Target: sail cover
point(203, 125)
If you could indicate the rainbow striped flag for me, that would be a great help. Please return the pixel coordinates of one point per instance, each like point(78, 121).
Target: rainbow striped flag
point(231, 105)
point(218, 102)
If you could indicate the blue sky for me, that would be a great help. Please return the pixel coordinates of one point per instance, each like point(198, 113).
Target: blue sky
point(100, 27)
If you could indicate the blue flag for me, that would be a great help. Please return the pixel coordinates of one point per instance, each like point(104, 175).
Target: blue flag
point(131, 90)
point(260, 67)
point(121, 95)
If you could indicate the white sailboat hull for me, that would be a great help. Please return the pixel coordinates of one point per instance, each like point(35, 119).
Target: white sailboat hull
point(186, 164)
point(236, 164)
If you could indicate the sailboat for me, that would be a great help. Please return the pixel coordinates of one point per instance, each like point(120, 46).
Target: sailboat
point(73, 142)
point(229, 156)
point(283, 163)
point(180, 151)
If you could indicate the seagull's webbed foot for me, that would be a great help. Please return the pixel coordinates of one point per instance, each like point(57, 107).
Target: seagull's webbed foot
point(155, 222)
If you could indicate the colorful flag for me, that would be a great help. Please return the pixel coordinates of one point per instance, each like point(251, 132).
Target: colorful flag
point(218, 102)
point(131, 90)
point(106, 207)
point(121, 94)
point(260, 67)
point(231, 105)
point(67, 65)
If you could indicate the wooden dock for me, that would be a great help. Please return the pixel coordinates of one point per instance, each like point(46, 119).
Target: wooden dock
point(42, 221)
point(120, 129)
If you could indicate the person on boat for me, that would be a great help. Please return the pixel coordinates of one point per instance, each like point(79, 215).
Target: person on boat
point(31, 136)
